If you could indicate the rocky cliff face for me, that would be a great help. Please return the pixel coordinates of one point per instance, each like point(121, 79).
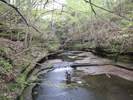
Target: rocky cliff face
point(16, 62)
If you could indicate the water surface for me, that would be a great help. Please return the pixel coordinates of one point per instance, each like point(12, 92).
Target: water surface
point(55, 86)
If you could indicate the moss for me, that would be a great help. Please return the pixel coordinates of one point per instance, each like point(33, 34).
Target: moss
point(26, 93)
point(21, 97)
point(50, 66)
point(29, 57)
point(128, 67)
point(31, 66)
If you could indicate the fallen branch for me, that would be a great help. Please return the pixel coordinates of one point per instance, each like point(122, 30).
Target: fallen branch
point(21, 52)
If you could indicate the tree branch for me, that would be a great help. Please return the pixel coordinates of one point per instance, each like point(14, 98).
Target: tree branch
point(21, 52)
point(45, 4)
point(3, 16)
point(69, 7)
point(92, 7)
point(108, 10)
point(20, 15)
point(16, 10)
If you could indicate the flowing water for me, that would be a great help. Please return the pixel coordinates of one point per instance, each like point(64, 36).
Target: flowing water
point(55, 86)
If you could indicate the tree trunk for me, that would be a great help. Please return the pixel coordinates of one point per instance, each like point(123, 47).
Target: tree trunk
point(26, 28)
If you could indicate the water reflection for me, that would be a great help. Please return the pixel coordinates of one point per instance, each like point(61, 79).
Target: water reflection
point(114, 88)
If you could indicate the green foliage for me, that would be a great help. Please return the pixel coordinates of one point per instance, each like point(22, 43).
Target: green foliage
point(64, 35)
point(3, 95)
point(78, 5)
point(126, 24)
point(9, 97)
point(6, 65)
point(21, 78)
point(20, 84)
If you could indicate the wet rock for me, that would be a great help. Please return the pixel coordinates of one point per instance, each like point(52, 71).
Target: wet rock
point(82, 55)
point(54, 61)
point(83, 64)
point(96, 70)
point(76, 52)
point(85, 60)
point(124, 65)
point(35, 93)
point(72, 57)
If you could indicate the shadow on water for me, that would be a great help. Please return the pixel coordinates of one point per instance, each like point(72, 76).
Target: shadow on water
point(55, 86)
point(114, 88)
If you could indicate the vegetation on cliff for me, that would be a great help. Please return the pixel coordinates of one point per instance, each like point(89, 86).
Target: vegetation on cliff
point(103, 26)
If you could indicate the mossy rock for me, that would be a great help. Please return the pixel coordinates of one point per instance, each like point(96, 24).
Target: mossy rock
point(29, 68)
point(29, 57)
point(50, 66)
point(26, 94)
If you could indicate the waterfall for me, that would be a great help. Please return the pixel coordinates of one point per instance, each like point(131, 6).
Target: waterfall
point(53, 27)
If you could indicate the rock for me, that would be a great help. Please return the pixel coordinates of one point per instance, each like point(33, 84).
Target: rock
point(54, 61)
point(83, 64)
point(76, 51)
point(35, 93)
point(124, 65)
point(72, 57)
point(79, 82)
point(82, 55)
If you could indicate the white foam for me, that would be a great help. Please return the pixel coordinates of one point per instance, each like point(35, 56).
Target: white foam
point(62, 69)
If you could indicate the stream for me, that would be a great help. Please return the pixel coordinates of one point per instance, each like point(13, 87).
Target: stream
point(55, 86)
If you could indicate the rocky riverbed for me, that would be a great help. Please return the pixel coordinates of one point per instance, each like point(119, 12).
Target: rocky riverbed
point(91, 64)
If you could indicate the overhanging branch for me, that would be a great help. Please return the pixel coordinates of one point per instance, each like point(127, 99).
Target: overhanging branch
point(46, 3)
point(108, 10)
point(20, 15)
point(92, 7)
point(16, 10)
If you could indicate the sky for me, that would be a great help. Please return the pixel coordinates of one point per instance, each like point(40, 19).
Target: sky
point(56, 5)
point(48, 6)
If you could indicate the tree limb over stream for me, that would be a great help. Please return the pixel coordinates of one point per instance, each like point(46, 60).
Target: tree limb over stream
point(107, 10)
